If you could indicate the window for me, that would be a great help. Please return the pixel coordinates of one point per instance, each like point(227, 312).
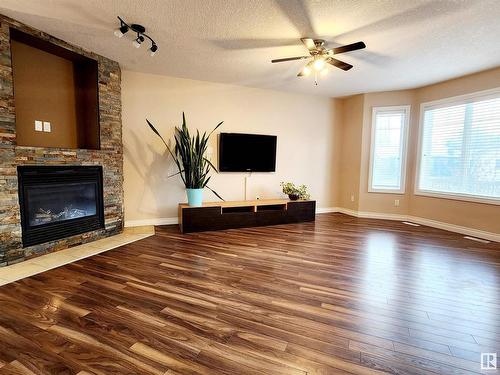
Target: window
point(388, 149)
point(460, 148)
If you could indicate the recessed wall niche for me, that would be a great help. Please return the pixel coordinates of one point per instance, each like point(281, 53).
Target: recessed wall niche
point(54, 85)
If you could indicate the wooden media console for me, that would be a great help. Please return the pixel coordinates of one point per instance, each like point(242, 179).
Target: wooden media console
point(240, 214)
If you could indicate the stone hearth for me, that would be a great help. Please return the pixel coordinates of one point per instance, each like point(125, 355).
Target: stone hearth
point(110, 155)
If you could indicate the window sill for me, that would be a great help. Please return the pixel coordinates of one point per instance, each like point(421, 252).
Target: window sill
point(459, 197)
point(386, 191)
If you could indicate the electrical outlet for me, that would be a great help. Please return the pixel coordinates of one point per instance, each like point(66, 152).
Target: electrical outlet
point(396, 202)
point(38, 126)
point(352, 197)
point(46, 127)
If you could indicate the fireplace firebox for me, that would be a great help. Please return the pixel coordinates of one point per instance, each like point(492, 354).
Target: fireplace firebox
point(59, 201)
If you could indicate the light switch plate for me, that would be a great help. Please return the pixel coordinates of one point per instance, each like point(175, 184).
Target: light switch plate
point(46, 127)
point(38, 126)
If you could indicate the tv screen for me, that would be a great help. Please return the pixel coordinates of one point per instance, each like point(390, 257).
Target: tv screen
point(247, 152)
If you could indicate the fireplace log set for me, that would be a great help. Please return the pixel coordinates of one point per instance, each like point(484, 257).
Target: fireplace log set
point(47, 216)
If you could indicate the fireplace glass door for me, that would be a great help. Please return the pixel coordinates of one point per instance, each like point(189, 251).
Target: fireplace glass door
point(52, 203)
point(58, 202)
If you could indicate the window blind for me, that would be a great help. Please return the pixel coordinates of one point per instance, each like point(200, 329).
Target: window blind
point(460, 148)
point(388, 148)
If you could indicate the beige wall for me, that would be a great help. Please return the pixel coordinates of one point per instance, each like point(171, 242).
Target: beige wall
point(350, 159)
point(473, 215)
point(381, 202)
point(305, 126)
point(44, 90)
point(335, 165)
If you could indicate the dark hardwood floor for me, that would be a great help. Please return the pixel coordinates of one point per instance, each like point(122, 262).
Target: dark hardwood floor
point(338, 296)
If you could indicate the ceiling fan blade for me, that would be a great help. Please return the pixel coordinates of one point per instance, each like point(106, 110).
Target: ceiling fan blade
point(309, 43)
point(290, 59)
point(349, 47)
point(339, 64)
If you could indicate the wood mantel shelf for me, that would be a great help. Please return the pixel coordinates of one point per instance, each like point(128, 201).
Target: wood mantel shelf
point(238, 214)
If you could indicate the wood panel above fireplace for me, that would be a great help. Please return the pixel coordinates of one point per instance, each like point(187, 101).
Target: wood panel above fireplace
point(60, 89)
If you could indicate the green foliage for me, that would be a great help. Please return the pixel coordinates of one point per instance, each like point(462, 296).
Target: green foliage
point(189, 156)
point(290, 189)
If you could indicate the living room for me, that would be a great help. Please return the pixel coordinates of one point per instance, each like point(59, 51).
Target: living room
point(262, 187)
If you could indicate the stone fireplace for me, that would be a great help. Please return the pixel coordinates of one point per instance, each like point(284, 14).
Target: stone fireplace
point(55, 201)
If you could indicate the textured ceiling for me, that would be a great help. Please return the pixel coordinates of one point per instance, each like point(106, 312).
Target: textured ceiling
point(409, 43)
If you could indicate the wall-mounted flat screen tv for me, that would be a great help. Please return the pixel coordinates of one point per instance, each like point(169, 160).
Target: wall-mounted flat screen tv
point(247, 152)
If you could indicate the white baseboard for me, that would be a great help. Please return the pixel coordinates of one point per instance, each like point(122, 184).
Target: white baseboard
point(422, 221)
point(373, 215)
point(325, 210)
point(361, 214)
point(456, 228)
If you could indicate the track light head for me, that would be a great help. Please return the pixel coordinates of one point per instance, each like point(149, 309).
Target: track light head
point(138, 41)
point(121, 31)
point(153, 49)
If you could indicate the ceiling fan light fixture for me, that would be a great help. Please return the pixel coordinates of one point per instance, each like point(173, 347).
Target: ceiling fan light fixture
point(322, 57)
point(319, 64)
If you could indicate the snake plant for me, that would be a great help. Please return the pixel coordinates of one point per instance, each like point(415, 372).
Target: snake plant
point(189, 156)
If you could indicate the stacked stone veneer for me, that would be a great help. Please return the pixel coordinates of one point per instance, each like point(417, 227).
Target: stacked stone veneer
point(110, 156)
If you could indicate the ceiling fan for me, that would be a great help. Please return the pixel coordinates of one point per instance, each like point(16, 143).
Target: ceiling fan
point(321, 56)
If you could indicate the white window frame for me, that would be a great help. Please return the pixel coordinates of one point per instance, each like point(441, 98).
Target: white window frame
point(454, 100)
point(404, 147)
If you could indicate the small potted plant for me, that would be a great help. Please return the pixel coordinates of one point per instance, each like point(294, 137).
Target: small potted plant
point(295, 192)
point(189, 157)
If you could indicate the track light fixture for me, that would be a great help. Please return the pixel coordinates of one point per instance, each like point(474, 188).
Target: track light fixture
point(140, 32)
